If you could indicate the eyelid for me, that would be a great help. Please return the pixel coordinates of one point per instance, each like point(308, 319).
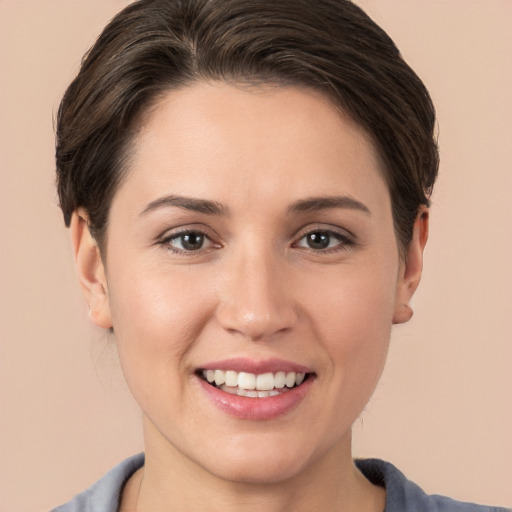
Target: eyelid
point(186, 228)
point(327, 228)
point(173, 233)
point(347, 239)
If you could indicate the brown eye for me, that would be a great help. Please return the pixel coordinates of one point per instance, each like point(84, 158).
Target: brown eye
point(318, 240)
point(188, 241)
point(323, 240)
point(192, 241)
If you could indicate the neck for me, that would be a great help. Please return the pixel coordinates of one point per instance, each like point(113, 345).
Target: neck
point(171, 481)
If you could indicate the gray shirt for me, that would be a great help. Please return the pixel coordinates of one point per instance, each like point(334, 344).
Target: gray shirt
point(401, 494)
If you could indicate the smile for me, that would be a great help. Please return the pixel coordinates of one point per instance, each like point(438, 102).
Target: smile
point(253, 385)
point(255, 390)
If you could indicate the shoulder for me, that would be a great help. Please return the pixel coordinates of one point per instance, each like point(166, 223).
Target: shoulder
point(402, 494)
point(105, 494)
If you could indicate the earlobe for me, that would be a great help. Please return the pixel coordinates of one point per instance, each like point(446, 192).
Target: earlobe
point(411, 269)
point(403, 313)
point(90, 270)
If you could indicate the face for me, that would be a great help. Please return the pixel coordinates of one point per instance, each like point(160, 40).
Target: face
point(251, 244)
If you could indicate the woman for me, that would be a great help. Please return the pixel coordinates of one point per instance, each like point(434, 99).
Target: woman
point(247, 185)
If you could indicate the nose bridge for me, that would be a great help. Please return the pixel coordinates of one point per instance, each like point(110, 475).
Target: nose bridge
point(255, 297)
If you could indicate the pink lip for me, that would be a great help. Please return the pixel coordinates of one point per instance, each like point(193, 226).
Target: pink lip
point(241, 364)
point(257, 409)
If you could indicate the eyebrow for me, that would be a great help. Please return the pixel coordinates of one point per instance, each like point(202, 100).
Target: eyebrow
point(188, 203)
point(312, 204)
point(208, 207)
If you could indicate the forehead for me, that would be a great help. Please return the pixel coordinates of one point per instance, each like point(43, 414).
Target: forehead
point(215, 139)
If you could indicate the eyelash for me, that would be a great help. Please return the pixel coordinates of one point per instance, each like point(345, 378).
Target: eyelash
point(167, 240)
point(345, 241)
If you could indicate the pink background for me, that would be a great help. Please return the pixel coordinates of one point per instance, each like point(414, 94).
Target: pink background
point(443, 410)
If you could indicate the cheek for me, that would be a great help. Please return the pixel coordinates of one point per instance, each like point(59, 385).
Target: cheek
point(157, 318)
point(353, 303)
point(352, 322)
point(157, 303)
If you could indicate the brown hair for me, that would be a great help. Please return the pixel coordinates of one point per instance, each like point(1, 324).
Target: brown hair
point(154, 46)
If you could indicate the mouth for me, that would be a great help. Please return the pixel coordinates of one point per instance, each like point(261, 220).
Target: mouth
point(252, 385)
point(256, 390)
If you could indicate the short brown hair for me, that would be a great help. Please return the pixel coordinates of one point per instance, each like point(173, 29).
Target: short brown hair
point(154, 46)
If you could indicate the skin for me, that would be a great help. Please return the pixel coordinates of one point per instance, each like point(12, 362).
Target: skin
point(256, 289)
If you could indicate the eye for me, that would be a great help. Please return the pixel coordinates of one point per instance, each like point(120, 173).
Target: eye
point(187, 241)
point(324, 240)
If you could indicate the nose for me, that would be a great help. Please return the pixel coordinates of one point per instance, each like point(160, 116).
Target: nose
point(256, 297)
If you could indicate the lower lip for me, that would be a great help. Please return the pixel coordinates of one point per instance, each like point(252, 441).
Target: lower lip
point(257, 409)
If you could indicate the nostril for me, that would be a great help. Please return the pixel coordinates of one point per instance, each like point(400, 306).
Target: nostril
point(252, 325)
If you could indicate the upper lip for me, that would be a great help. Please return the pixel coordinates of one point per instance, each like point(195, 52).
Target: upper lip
point(242, 364)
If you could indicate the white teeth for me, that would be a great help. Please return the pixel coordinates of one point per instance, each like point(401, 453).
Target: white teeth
point(265, 382)
point(220, 377)
point(279, 379)
point(290, 380)
point(231, 378)
point(252, 393)
point(249, 384)
point(246, 380)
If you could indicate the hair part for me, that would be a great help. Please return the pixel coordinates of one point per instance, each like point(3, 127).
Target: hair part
point(155, 46)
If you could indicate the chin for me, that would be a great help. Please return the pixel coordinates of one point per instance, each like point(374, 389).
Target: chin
point(258, 473)
point(261, 463)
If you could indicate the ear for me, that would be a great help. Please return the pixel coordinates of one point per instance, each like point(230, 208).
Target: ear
point(410, 269)
point(90, 270)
